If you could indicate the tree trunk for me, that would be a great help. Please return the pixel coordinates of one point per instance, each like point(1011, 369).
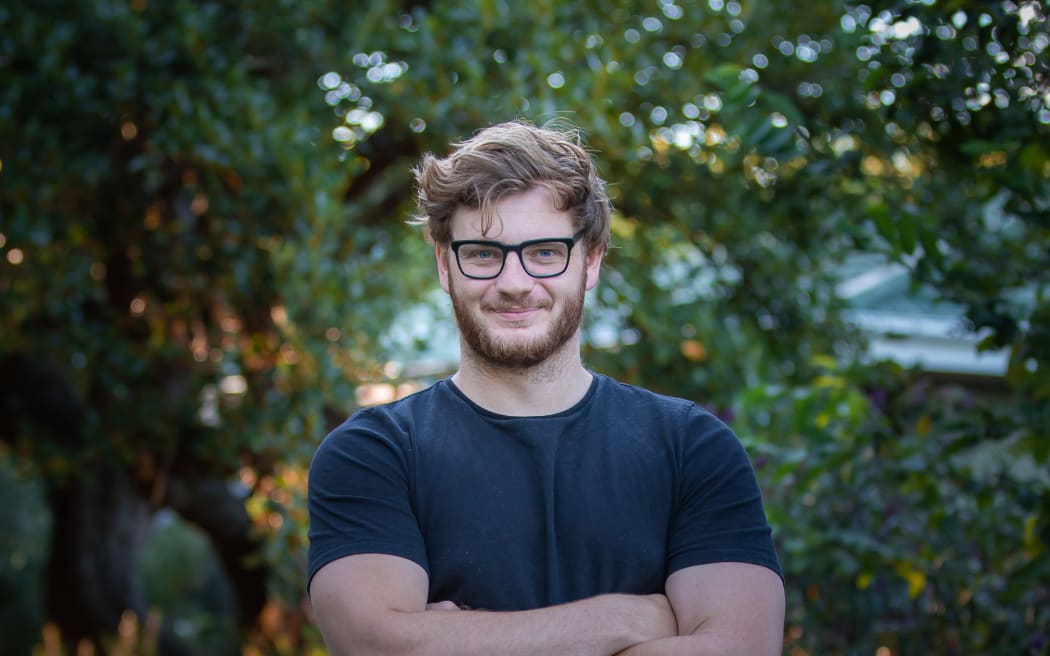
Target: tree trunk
point(102, 518)
point(100, 525)
point(209, 504)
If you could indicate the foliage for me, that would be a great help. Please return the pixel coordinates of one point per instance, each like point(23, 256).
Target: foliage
point(185, 585)
point(23, 543)
point(203, 232)
point(902, 497)
point(158, 172)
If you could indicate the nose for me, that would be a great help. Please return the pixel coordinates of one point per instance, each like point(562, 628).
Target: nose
point(514, 279)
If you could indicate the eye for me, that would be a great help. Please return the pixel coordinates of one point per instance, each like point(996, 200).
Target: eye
point(545, 252)
point(479, 253)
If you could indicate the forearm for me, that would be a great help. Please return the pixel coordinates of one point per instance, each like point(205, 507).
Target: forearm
point(600, 626)
point(700, 645)
point(678, 646)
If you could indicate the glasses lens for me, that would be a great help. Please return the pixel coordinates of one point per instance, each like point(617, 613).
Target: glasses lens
point(546, 259)
point(480, 259)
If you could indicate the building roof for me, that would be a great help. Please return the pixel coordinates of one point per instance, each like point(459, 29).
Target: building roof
point(909, 324)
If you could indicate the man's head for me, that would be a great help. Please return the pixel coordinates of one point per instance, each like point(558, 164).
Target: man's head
point(520, 222)
point(511, 158)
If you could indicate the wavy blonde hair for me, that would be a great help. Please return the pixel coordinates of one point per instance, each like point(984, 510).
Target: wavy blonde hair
point(511, 158)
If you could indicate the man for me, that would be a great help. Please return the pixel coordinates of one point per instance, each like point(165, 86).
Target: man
point(526, 505)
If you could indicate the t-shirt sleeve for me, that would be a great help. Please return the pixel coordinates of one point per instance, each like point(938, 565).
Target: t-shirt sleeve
point(359, 495)
point(719, 515)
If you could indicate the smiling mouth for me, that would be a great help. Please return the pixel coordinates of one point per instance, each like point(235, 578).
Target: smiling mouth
point(516, 313)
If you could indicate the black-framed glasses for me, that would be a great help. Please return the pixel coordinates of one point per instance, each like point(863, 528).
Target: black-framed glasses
point(540, 258)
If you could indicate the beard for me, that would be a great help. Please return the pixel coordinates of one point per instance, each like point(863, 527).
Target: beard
point(518, 354)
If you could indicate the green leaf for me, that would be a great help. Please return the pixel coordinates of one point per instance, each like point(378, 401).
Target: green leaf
point(906, 232)
point(723, 76)
point(879, 213)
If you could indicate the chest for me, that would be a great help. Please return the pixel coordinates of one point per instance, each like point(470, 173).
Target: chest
point(524, 520)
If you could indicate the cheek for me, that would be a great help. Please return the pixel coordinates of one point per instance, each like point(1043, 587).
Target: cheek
point(463, 289)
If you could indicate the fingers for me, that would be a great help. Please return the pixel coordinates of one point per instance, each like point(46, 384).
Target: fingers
point(665, 624)
point(442, 605)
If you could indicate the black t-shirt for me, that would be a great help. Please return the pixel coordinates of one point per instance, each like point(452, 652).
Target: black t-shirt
point(512, 513)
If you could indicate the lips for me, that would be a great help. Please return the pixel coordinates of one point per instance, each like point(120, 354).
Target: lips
point(503, 310)
point(502, 307)
point(516, 313)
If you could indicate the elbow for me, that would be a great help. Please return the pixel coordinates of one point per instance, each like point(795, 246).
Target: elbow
point(355, 645)
point(377, 636)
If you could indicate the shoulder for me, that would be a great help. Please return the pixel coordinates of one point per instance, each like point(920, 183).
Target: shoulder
point(403, 412)
point(634, 399)
point(615, 391)
point(690, 426)
point(390, 424)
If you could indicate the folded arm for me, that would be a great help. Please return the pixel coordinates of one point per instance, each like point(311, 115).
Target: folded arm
point(722, 609)
point(376, 605)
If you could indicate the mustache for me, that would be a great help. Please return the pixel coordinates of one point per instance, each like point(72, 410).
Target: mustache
point(518, 304)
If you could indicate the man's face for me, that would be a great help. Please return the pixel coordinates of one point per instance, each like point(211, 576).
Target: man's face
point(515, 320)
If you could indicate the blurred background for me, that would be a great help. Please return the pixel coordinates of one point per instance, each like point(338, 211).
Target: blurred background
point(832, 228)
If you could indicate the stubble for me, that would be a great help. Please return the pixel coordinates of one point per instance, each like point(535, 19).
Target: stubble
point(499, 353)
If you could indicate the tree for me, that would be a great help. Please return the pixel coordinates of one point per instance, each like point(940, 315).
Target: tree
point(204, 245)
point(153, 159)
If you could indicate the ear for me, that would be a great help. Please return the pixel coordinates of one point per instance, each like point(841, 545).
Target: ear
point(594, 265)
point(441, 255)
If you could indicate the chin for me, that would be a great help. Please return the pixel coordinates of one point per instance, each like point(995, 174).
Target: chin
point(518, 345)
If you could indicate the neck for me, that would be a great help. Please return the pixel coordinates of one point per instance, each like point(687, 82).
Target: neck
point(554, 385)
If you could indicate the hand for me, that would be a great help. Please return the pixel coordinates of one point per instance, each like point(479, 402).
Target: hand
point(653, 618)
point(443, 605)
point(654, 623)
point(665, 623)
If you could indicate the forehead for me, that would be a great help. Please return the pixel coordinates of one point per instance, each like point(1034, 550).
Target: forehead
point(517, 217)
